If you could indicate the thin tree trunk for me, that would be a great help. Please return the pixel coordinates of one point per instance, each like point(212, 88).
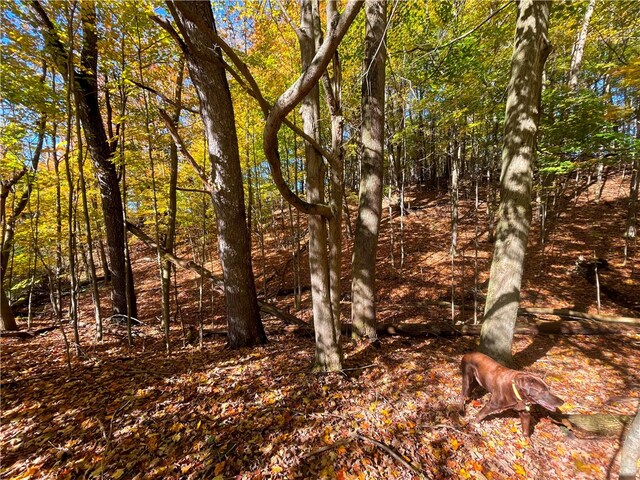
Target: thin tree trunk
point(34, 222)
point(333, 96)
point(71, 230)
point(363, 313)
point(58, 269)
point(455, 175)
point(634, 188)
point(90, 258)
point(578, 47)
point(71, 245)
point(165, 285)
point(297, 297)
point(328, 353)
point(514, 215)
point(104, 263)
point(172, 208)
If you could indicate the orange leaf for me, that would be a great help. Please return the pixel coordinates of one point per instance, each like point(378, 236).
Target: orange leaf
point(218, 468)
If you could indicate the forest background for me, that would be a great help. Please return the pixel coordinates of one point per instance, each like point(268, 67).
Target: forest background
point(122, 65)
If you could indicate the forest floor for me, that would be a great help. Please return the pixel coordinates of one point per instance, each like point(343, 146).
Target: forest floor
point(213, 413)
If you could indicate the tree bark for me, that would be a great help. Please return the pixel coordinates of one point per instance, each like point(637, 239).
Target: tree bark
point(578, 47)
point(333, 96)
point(630, 454)
point(85, 90)
point(95, 291)
point(7, 318)
point(172, 207)
point(363, 310)
point(328, 353)
point(514, 216)
point(207, 72)
point(634, 187)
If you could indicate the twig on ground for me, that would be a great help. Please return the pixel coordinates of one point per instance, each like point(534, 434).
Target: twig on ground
point(386, 448)
point(337, 443)
point(359, 368)
point(391, 452)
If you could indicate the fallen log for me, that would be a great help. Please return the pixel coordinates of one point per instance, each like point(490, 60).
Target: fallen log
point(16, 334)
point(567, 313)
point(415, 330)
point(26, 334)
point(558, 312)
point(537, 328)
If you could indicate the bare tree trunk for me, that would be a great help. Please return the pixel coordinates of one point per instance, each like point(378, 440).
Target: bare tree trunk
point(363, 313)
point(172, 208)
point(71, 241)
point(453, 189)
point(328, 354)
point(91, 262)
point(578, 47)
point(165, 274)
point(333, 95)
point(514, 215)
point(634, 187)
point(71, 230)
point(630, 454)
point(234, 244)
point(58, 269)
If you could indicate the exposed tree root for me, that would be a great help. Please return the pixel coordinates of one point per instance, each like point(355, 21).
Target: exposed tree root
point(594, 425)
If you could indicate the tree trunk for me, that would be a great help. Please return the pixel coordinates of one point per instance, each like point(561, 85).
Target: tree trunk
point(71, 236)
point(454, 189)
point(234, 246)
point(578, 47)
point(7, 320)
point(328, 354)
point(363, 312)
point(7, 233)
point(514, 215)
point(333, 96)
point(95, 290)
point(85, 90)
point(335, 223)
point(172, 208)
point(634, 186)
point(630, 454)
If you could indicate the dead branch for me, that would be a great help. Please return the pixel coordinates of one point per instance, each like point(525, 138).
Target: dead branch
point(559, 312)
point(391, 452)
point(25, 334)
point(594, 425)
point(337, 443)
point(567, 313)
point(357, 436)
point(537, 328)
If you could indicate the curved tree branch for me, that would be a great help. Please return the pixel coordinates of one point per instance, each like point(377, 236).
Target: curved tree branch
point(293, 96)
